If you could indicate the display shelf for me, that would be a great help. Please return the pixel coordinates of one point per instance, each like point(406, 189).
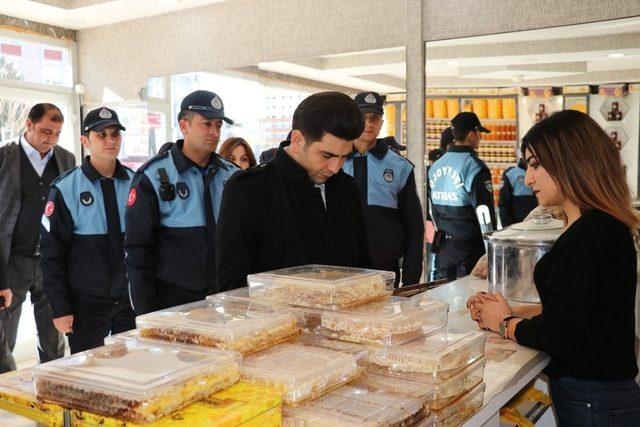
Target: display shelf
point(500, 164)
point(499, 120)
point(434, 120)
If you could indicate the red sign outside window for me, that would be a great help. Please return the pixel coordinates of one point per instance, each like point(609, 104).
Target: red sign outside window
point(11, 49)
point(53, 55)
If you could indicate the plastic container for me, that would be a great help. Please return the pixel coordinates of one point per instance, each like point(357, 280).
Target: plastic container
point(357, 406)
point(437, 393)
point(433, 358)
point(136, 380)
point(390, 322)
point(227, 323)
point(304, 367)
point(460, 409)
point(395, 385)
point(322, 286)
point(456, 385)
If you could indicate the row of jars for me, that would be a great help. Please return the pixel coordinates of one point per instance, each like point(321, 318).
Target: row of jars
point(499, 131)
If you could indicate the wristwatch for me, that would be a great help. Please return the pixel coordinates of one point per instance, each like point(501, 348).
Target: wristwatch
point(502, 328)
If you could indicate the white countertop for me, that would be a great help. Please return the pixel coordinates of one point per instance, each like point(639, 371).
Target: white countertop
point(510, 366)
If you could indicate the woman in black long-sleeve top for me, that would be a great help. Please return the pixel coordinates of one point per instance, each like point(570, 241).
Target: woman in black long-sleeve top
point(586, 282)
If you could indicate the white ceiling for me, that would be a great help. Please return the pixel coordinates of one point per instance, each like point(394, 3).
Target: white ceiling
point(552, 54)
point(80, 14)
point(570, 52)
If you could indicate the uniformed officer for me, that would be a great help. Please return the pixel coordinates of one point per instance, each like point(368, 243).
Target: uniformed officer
point(516, 198)
point(393, 214)
point(82, 239)
point(299, 208)
point(460, 182)
point(172, 211)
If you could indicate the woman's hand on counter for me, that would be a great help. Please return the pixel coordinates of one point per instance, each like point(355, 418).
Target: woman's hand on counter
point(492, 309)
point(474, 311)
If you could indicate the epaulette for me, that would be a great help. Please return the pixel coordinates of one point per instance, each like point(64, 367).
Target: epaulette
point(401, 157)
point(163, 153)
point(64, 174)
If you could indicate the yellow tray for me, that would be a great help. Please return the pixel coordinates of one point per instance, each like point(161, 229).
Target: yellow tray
point(240, 405)
point(17, 396)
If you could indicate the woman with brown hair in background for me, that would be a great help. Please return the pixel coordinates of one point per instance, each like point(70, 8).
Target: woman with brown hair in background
point(238, 151)
point(587, 280)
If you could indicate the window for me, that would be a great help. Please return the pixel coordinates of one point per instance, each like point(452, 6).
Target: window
point(155, 87)
point(144, 136)
point(13, 115)
point(261, 113)
point(35, 62)
point(14, 109)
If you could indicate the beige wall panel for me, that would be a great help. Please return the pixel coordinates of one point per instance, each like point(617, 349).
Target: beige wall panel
point(465, 18)
point(232, 34)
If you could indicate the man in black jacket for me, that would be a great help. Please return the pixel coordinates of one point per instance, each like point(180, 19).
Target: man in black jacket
point(300, 208)
point(27, 168)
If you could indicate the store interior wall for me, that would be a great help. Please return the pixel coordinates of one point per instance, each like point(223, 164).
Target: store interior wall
point(231, 34)
point(241, 33)
point(467, 18)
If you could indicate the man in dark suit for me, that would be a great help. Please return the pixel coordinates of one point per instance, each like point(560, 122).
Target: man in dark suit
point(27, 168)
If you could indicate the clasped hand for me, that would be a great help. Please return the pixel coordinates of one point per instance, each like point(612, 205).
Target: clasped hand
point(488, 310)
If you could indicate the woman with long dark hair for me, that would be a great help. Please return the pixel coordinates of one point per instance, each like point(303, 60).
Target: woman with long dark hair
point(238, 151)
point(587, 281)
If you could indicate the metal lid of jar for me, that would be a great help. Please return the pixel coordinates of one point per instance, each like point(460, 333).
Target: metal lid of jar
point(539, 230)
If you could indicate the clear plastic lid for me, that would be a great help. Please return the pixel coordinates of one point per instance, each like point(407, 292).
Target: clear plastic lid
point(395, 385)
point(540, 228)
point(230, 323)
point(304, 367)
point(357, 406)
point(322, 285)
point(390, 322)
point(122, 336)
point(460, 409)
point(439, 354)
point(132, 370)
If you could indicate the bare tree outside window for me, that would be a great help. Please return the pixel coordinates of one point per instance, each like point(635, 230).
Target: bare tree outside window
point(13, 114)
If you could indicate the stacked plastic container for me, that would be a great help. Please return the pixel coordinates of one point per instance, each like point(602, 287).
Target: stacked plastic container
point(136, 380)
point(412, 357)
point(332, 340)
point(240, 325)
